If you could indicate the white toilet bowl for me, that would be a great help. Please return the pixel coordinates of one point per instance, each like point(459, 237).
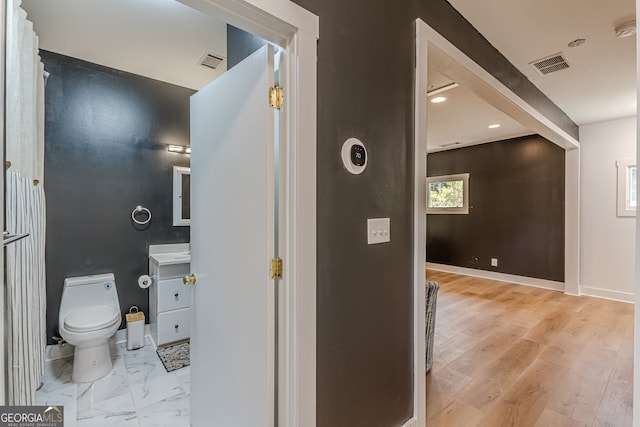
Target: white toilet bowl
point(89, 316)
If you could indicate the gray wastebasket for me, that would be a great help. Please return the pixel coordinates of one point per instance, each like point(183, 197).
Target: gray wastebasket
point(431, 296)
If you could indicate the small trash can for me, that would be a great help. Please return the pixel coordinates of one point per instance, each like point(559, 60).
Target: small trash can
point(135, 329)
point(431, 297)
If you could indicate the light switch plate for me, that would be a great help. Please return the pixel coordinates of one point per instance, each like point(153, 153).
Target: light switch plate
point(378, 230)
point(494, 262)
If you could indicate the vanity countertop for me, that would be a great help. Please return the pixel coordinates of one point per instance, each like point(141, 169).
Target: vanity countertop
point(171, 258)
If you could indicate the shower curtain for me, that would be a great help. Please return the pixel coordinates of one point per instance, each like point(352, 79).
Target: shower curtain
point(25, 209)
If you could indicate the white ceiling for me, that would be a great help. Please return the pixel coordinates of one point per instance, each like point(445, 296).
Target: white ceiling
point(601, 84)
point(464, 118)
point(161, 39)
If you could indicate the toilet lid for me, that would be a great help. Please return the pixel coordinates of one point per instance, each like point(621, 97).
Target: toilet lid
point(91, 318)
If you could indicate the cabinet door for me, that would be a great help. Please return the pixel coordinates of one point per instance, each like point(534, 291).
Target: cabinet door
point(174, 325)
point(172, 295)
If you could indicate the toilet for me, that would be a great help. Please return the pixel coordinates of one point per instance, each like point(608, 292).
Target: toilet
point(89, 316)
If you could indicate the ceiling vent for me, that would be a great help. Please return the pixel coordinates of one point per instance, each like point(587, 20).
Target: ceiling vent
point(550, 64)
point(210, 60)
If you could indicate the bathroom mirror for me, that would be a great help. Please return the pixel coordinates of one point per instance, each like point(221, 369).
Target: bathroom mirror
point(181, 196)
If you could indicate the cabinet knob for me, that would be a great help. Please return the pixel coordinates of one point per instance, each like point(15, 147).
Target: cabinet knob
point(176, 295)
point(190, 280)
point(176, 327)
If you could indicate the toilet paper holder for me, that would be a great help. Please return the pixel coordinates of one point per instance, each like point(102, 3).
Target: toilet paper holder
point(145, 281)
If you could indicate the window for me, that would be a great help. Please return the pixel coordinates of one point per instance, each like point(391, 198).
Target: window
point(448, 194)
point(627, 195)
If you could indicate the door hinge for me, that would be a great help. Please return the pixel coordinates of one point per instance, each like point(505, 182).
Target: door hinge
point(276, 97)
point(276, 269)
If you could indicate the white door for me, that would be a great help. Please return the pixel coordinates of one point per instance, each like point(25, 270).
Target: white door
point(232, 243)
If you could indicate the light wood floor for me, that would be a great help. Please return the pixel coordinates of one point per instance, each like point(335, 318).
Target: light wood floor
point(511, 355)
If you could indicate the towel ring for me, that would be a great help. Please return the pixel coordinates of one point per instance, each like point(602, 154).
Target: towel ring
point(139, 209)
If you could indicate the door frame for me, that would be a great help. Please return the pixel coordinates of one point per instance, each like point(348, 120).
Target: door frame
point(297, 31)
point(3, 291)
point(431, 44)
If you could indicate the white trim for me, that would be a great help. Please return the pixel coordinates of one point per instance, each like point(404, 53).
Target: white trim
point(501, 277)
point(572, 222)
point(58, 351)
point(607, 294)
point(3, 324)
point(636, 287)
point(411, 423)
point(297, 30)
point(419, 229)
point(623, 190)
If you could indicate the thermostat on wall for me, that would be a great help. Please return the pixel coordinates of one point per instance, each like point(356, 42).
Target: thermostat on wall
point(354, 156)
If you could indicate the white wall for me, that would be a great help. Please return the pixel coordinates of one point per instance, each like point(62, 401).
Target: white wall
point(607, 249)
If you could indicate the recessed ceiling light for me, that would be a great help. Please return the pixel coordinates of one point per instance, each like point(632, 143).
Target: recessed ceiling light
point(577, 42)
point(494, 126)
point(438, 99)
point(625, 30)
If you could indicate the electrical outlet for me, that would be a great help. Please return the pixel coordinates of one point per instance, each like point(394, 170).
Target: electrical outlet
point(494, 262)
point(378, 230)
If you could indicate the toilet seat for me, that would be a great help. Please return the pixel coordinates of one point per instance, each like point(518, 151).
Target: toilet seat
point(91, 318)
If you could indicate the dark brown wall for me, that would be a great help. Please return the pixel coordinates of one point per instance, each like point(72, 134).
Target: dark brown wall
point(516, 201)
point(105, 153)
point(365, 303)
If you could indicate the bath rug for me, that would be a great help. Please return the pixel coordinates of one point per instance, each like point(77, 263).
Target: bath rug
point(174, 356)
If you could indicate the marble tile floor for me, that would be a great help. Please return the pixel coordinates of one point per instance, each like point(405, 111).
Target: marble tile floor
point(137, 392)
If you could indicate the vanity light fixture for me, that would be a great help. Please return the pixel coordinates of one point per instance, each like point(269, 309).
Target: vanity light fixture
point(494, 126)
point(438, 99)
point(179, 149)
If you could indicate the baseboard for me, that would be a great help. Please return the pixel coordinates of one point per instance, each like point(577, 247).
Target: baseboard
point(501, 277)
point(607, 294)
point(121, 334)
point(60, 351)
point(413, 422)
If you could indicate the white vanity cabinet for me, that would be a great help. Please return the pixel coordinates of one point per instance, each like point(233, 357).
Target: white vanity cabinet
point(169, 298)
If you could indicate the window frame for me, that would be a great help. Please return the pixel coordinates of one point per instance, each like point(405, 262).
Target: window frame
point(623, 196)
point(464, 210)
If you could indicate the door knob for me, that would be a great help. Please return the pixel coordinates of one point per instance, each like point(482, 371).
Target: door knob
point(190, 280)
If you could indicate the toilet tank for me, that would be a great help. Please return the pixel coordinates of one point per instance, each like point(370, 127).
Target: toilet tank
point(85, 291)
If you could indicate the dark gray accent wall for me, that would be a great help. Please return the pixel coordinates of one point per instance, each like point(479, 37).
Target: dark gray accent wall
point(364, 292)
point(106, 136)
point(240, 45)
point(516, 209)
point(365, 301)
